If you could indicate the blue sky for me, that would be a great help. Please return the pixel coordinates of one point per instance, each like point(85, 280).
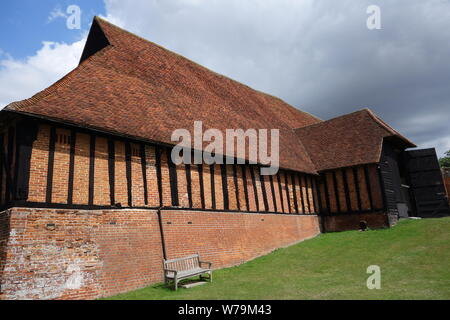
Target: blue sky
point(24, 25)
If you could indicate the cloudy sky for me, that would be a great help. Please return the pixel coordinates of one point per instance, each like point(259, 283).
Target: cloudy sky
point(317, 55)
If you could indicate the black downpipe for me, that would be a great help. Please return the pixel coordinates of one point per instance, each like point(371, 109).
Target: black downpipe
point(161, 230)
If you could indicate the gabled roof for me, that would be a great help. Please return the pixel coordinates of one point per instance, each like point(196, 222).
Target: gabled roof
point(127, 85)
point(352, 139)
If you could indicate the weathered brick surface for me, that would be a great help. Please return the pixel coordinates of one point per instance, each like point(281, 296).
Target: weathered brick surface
point(68, 254)
point(76, 254)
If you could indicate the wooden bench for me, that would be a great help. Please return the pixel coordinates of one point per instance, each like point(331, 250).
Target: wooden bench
point(184, 268)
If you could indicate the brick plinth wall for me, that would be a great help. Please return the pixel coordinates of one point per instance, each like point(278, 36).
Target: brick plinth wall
point(76, 254)
point(228, 239)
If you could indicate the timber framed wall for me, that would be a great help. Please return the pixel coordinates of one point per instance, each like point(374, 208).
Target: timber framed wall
point(75, 168)
point(350, 195)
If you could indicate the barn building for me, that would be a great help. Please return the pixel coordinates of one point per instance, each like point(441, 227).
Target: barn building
point(92, 203)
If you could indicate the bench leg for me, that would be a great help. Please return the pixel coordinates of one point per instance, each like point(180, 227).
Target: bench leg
point(210, 276)
point(176, 284)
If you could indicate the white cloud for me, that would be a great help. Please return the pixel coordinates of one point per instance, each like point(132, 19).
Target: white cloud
point(55, 14)
point(20, 79)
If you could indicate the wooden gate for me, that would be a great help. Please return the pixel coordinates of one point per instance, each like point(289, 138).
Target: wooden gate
point(427, 185)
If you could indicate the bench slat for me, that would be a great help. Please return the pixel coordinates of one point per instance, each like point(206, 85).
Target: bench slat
point(180, 259)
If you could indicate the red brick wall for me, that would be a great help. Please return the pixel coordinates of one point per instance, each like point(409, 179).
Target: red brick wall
point(229, 238)
point(76, 254)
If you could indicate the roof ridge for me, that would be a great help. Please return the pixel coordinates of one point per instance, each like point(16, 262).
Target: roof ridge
point(332, 119)
point(386, 126)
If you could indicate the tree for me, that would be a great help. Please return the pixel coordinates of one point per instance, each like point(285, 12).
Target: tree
point(445, 161)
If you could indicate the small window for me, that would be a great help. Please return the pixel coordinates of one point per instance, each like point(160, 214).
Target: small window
point(135, 151)
point(63, 139)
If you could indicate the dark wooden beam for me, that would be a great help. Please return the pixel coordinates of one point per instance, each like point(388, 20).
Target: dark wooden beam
point(26, 134)
point(50, 165)
point(358, 191)
point(274, 198)
point(129, 173)
point(281, 191)
point(369, 188)
point(158, 153)
point(244, 178)
point(143, 156)
point(336, 192)
point(314, 194)
point(189, 184)
point(319, 194)
point(223, 171)
point(294, 192)
point(73, 141)
point(383, 189)
point(264, 192)
point(236, 186)
point(346, 190)
point(288, 196)
point(255, 189)
point(327, 193)
point(307, 185)
point(301, 193)
point(213, 186)
point(202, 186)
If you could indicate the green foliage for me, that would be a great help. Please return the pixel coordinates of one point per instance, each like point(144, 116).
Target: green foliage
point(445, 161)
point(414, 258)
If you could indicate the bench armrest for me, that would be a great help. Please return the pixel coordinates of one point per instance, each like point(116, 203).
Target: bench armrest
point(168, 270)
point(204, 262)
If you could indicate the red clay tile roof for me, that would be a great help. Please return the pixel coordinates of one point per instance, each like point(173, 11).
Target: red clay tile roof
point(349, 140)
point(127, 85)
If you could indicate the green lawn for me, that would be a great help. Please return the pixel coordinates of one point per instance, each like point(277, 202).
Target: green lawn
point(414, 258)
